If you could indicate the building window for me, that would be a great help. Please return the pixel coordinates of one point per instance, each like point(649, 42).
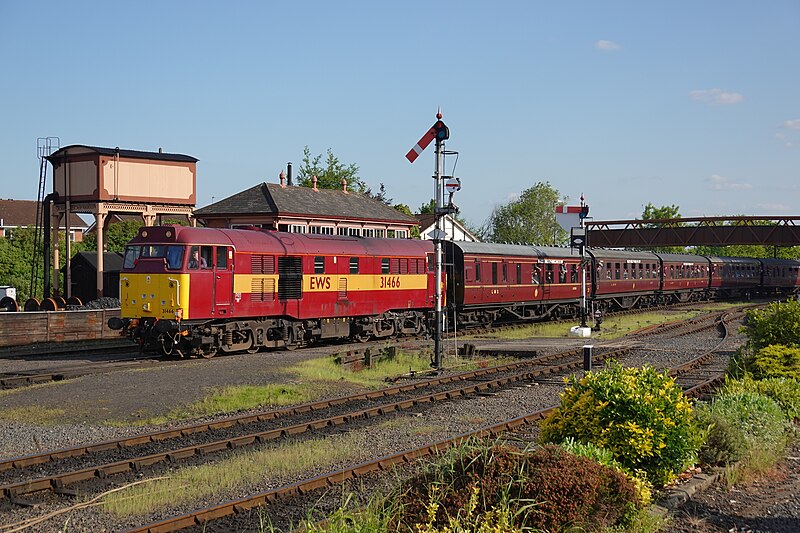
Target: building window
point(380, 233)
point(390, 233)
point(369, 232)
point(321, 230)
point(401, 234)
point(297, 228)
point(341, 231)
point(354, 232)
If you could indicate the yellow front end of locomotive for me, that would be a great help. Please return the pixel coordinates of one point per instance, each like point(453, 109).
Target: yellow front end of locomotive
point(160, 296)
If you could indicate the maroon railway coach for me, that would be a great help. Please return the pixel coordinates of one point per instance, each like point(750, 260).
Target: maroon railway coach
point(199, 290)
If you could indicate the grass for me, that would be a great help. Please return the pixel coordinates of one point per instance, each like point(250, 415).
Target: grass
point(34, 414)
point(230, 399)
point(198, 482)
point(326, 370)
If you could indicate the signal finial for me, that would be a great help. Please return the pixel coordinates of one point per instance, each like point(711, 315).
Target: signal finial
point(439, 113)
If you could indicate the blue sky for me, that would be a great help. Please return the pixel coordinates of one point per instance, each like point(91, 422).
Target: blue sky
point(684, 102)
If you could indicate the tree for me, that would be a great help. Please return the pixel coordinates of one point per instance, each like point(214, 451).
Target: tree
point(652, 212)
point(331, 174)
point(531, 219)
point(117, 236)
point(16, 263)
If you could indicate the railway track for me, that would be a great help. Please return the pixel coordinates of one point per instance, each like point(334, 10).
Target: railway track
point(483, 381)
point(695, 376)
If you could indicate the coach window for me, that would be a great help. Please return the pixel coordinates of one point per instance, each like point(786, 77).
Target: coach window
point(477, 271)
point(222, 258)
point(573, 274)
point(385, 265)
point(494, 273)
point(536, 275)
point(616, 271)
point(354, 265)
point(625, 271)
point(519, 274)
point(562, 273)
point(548, 274)
point(319, 264)
point(505, 273)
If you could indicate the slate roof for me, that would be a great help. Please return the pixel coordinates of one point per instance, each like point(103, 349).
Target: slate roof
point(112, 261)
point(16, 213)
point(59, 154)
point(273, 200)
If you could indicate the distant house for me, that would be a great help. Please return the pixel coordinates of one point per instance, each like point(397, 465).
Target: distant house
point(453, 229)
point(297, 209)
point(22, 213)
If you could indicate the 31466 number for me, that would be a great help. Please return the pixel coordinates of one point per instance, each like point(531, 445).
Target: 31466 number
point(390, 282)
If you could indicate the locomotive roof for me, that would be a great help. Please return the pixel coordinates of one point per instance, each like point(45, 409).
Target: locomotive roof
point(259, 241)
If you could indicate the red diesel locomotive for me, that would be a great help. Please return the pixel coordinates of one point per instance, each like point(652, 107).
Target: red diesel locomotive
point(199, 290)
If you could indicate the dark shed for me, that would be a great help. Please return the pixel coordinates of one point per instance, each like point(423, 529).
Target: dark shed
point(84, 275)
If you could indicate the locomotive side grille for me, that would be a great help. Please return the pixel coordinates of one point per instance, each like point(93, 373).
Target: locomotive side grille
point(290, 278)
point(342, 288)
point(262, 264)
point(262, 290)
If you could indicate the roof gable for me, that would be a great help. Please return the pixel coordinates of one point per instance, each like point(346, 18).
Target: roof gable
point(16, 213)
point(273, 199)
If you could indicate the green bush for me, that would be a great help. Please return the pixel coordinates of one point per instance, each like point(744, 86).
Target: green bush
point(775, 361)
point(779, 323)
point(544, 489)
point(741, 423)
point(639, 414)
point(785, 391)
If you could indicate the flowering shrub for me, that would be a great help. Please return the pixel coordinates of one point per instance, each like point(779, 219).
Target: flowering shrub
point(785, 391)
point(639, 414)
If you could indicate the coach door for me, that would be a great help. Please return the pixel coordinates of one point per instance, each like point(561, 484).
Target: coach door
point(223, 280)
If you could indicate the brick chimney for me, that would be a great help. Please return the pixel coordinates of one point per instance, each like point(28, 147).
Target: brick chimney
point(282, 175)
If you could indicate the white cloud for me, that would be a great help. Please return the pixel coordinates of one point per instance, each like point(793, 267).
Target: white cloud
point(779, 208)
point(607, 46)
point(716, 97)
point(721, 183)
point(792, 124)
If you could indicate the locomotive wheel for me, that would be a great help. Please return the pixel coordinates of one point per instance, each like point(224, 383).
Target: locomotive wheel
point(291, 342)
point(253, 346)
point(74, 300)
point(49, 304)
point(32, 304)
point(207, 354)
point(9, 304)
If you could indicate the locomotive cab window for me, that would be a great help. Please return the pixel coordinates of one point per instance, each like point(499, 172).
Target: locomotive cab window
point(222, 258)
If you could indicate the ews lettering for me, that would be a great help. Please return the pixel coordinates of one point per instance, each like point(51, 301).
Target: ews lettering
point(320, 283)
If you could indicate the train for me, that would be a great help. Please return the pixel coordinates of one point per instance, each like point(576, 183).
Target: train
point(188, 291)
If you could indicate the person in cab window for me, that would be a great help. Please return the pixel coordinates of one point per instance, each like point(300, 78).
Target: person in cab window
point(195, 261)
